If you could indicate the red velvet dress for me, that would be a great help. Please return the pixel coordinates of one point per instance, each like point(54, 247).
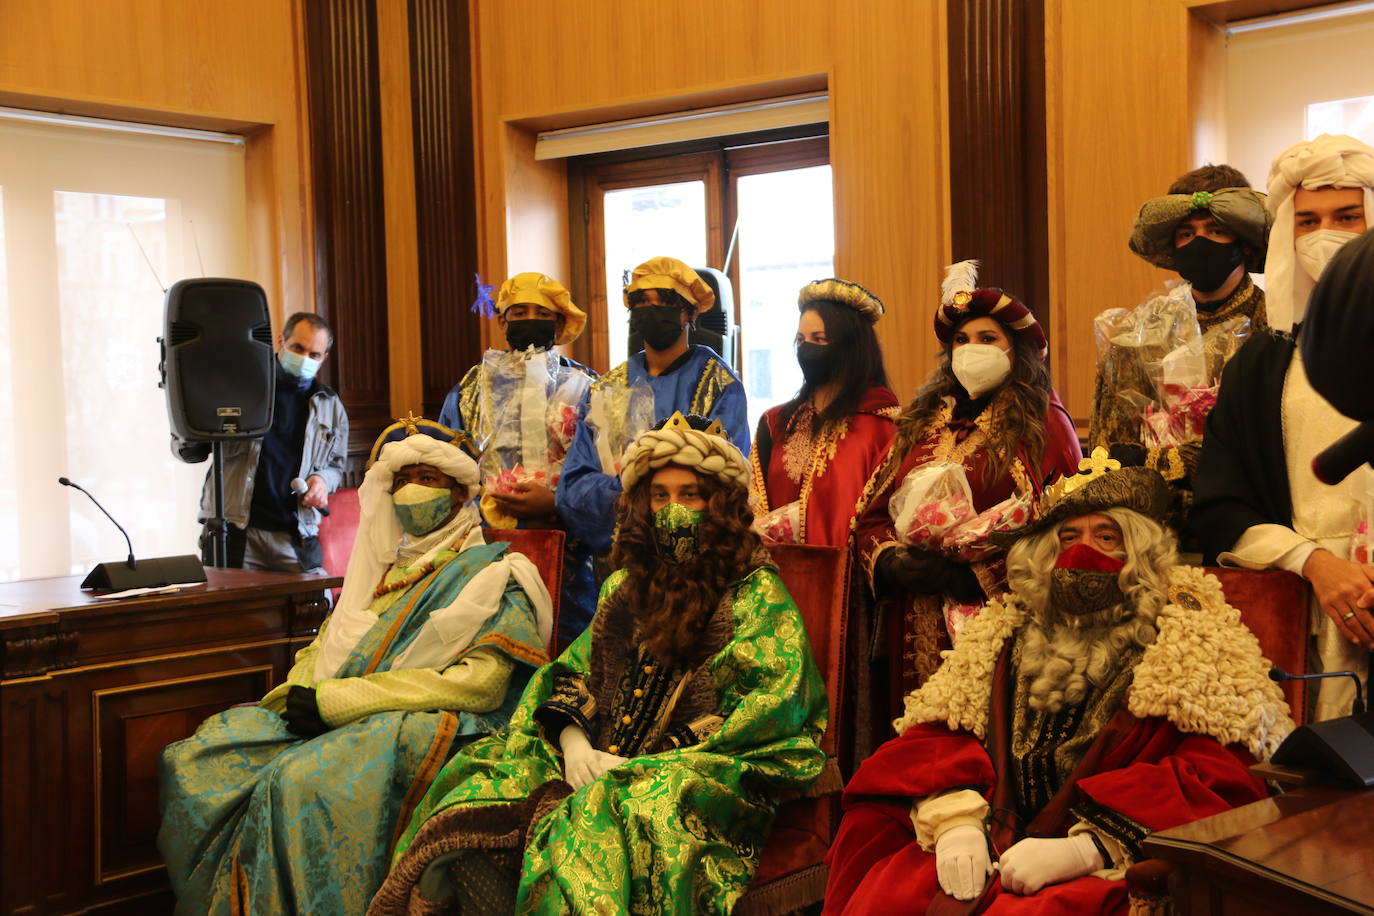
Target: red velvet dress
point(1137, 776)
point(914, 623)
point(826, 473)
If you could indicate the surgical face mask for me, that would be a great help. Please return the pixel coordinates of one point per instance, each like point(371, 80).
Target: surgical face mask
point(1085, 580)
point(980, 368)
point(421, 509)
point(677, 532)
point(299, 365)
point(817, 362)
point(659, 326)
point(1316, 249)
point(1206, 264)
point(523, 333)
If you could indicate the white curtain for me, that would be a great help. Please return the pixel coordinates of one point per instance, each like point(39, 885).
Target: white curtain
point(80, 310)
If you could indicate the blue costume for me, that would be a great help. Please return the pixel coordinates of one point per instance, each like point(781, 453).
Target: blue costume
point(700, 382)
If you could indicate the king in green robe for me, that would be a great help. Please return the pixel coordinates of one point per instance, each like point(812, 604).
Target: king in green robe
point(705, 746)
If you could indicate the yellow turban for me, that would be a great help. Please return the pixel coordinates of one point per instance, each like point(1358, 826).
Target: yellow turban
point(538, 289)
point(670, 273)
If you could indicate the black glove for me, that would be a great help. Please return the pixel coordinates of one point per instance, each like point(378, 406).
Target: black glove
point(913, 570)
point(303, 713)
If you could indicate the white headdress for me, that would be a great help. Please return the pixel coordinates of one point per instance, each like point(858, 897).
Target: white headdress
point(1329, 161)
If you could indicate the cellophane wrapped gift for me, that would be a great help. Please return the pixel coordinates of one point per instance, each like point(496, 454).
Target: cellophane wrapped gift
point(530, 416)
point(1162, 367)
point(782, 525)
point(933, 509)
point(618, 415)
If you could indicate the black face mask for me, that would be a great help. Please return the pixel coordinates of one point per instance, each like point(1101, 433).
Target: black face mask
point(522, 333)
point(1206, 264)
point(817, 363)
point(658, 325)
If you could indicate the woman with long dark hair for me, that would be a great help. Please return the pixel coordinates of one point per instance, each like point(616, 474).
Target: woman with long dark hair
point(813, 455)
point(991, 408)
point(642, 769)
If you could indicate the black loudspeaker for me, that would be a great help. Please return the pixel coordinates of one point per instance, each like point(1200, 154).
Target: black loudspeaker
point(217, 360)
point(119, 577)
point(1340, 749)
point(715, 328)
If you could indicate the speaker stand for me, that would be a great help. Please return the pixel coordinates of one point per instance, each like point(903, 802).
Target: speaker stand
point(218, 527)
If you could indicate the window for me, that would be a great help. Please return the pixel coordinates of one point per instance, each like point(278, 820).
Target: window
point(92, 224)
point(761, 212)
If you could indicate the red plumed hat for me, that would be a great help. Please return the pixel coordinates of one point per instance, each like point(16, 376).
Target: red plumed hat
point(961, 299)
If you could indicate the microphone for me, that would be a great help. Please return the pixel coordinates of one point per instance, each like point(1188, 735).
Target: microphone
point(76, 486)
point(1338, 460)
point(300, 488)
point(1278, 675)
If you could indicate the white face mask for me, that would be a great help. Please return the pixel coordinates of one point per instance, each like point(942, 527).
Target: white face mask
point(1316, 249)
point(980, 368)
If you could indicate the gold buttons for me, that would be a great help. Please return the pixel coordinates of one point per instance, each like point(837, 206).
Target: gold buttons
point(613, 749)
point(626, 719)
point(648, 669)
point(638, 692)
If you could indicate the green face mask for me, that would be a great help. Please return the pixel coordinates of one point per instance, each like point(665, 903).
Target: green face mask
point(677, 532)
point(421, 509)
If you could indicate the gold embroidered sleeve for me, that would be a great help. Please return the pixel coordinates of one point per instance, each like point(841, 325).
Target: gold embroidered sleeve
point(569, 703)
point(694, 732)
point(715, 378)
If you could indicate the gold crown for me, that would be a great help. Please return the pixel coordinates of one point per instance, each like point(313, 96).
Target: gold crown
point(678, 421)
point(1089, 469)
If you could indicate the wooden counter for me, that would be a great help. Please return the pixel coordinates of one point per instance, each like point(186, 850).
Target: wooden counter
point(90, 693)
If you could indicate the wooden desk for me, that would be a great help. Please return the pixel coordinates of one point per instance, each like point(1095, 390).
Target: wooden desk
point(90, 693)
point(1308, 851)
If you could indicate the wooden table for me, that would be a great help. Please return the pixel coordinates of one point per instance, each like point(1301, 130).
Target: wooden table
point(1307, 851)
point(90, 693)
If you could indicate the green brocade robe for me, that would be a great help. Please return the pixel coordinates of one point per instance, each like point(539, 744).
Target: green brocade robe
point(260, 822)
point(678, 828)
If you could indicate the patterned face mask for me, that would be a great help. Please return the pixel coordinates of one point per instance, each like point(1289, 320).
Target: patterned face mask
point(1084, 581)
point(677, 532)
point(421, 509)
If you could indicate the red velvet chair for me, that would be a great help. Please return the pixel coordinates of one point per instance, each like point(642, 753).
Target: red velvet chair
point(1274, 605)
point(338, 529)
point(792, 871)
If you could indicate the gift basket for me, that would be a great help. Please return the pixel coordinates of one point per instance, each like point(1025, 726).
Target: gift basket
point(1161, 368)
point(529, 415)
point(932, 509)
point(783, 525)
point(617, 415)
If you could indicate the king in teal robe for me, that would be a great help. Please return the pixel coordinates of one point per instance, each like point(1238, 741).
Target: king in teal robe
point(256, 820)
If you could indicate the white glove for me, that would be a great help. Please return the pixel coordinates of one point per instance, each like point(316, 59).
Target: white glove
point(1036, 861)
point(962, 862)
point(583, 763)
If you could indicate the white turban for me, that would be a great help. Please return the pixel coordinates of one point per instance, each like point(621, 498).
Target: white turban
point(1330, 161)
point(379, 536)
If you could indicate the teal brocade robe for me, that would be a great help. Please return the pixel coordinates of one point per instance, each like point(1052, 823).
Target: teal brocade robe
point(256, 820)
point(679, 827)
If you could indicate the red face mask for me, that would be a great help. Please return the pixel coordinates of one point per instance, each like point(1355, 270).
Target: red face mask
point(1084, 556)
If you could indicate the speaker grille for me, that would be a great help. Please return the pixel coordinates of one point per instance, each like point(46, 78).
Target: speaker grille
point(182, 332)
point(263, 334)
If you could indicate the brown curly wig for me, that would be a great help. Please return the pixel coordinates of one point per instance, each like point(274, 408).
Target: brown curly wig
point(1022, 402)
point(676, 601)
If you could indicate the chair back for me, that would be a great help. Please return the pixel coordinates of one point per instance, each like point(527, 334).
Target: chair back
point(544, 547)
point(338, 530)
point(818, 579)
point(1274, 605)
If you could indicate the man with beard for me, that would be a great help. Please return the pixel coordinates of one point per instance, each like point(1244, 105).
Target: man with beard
point(643, 768)
point(292, 805)
point(670, 374)
point(1112, 693)
point(1259, 506)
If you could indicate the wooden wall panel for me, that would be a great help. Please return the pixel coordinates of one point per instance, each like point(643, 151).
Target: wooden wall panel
point(883, 64)
point(350, 257)
point(445, 216)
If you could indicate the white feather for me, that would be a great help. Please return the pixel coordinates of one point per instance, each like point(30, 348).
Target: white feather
point(961, 277)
